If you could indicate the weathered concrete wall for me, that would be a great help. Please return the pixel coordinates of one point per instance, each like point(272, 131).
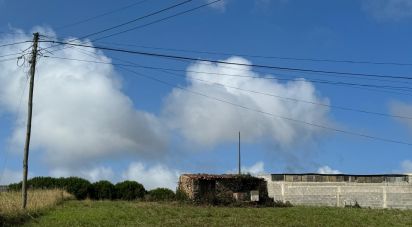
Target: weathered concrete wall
point(375, 195)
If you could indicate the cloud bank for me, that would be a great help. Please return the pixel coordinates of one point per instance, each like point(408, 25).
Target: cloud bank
point(80, 112)
point(152, 177)
point(328, 170)
point(207, 122)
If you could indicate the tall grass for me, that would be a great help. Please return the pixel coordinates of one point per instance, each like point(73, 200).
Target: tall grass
point(37, 201)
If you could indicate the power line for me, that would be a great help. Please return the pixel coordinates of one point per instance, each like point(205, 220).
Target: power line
point(137, 19)
point(261, 56)
point(128, 22)
point(308, 74)
point(159, 20)
point(238, 88)
point(101, 15)
point(12, 44)
point(382, 89)
point(229, 63)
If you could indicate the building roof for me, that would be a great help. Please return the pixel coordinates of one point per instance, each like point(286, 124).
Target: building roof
point(204, 176)
point(341, 174)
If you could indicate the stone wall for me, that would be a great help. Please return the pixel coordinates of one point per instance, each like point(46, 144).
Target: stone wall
point(186, 185)
point(374, 195)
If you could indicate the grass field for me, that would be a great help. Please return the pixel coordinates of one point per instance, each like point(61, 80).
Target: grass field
point(120, 213)
point(38, 201)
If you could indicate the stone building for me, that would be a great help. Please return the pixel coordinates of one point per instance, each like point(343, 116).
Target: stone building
point(376, 191)
point(224, 187)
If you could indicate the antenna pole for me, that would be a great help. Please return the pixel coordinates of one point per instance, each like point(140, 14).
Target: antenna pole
point(240, 172)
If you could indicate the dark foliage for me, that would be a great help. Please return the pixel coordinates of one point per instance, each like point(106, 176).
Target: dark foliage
point(74, 185)
point(77, 186)
point(181, 196)
point(102, 190)
point(280, 203)
point(161, 194)
point(40, 183)
point(129, 190)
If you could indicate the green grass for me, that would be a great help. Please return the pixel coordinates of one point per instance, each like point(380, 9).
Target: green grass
point(120, 213)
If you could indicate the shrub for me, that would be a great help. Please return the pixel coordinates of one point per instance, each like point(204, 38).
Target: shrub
point(38, 183)
point(181, 196)
point(161, 194)
point(129, 190)
point(14, 187)
point(76, 186)
point(102, 190)
point(280, 203)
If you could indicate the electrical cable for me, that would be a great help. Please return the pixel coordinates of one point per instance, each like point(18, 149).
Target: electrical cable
point(260, 56)
point(100, 15)
point(237, 88)
point(228, 63)
point(157, 21)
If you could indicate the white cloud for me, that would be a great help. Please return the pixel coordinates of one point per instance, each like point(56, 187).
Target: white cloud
point(393, 10)
point(220, 6)
point(93, 174)
point(327, 170)
point(80, 112)
point(11, 176)
point(208, 122)
point(257, 168)
point(152, 177)
point(402, 109)
point(406, 166)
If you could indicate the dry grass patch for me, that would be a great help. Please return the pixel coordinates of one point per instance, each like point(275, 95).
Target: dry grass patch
point(37, 200)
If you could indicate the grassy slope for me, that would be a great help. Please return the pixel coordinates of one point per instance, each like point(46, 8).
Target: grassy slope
point(39, 201)
point(106, 213)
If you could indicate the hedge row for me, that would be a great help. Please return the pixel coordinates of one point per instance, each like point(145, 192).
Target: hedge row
point(81, 188)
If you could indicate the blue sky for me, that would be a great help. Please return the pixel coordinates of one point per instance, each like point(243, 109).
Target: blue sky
point(112, 124)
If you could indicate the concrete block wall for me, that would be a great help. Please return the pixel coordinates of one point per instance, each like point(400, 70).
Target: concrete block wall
point(374, 195)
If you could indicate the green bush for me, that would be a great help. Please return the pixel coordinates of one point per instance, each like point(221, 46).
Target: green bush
point(102, 190)
point(14, 187)
point(40, 183)
point(181, 196)
point(129, 190)
point(76, 186)
point(161, 194)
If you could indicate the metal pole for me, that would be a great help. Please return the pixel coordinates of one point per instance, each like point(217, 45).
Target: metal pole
point(240, 172)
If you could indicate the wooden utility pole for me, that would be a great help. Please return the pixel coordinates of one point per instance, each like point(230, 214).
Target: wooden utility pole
point(29, 116)
point(240, 172)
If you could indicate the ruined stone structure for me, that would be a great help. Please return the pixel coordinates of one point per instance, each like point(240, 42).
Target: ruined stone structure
point(207, 187)
point(375, 191)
